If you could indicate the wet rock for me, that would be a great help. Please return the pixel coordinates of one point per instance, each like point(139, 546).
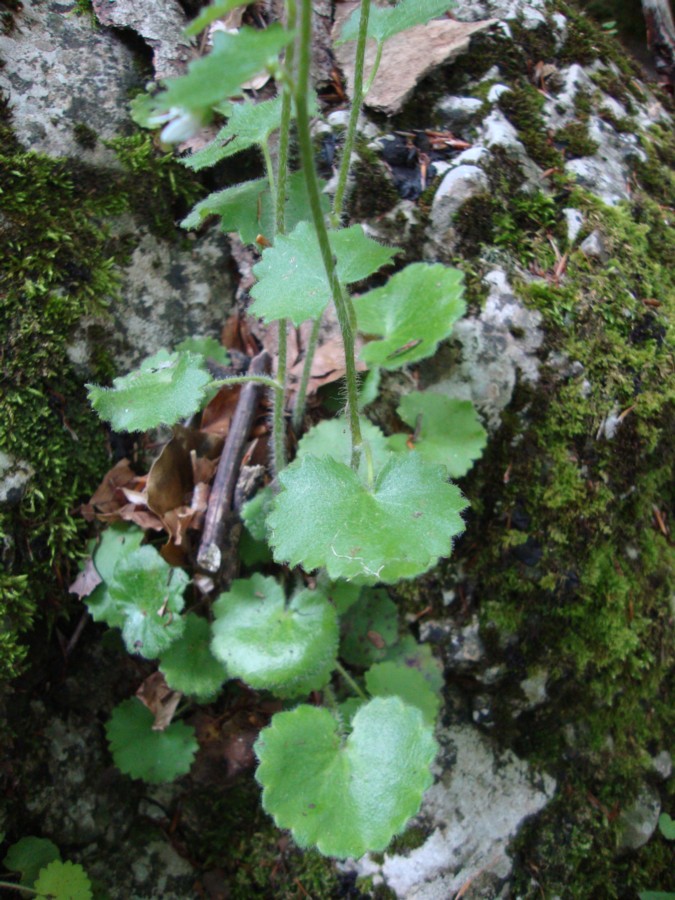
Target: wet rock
point(143, 871)
point(534, 690)
point(69, 810)
point(472, 812)
point(497, 131)
point(14, 476)
point(463, 649)
point(496, 92)
point(159, 22)
point(639, 821)
point(61, 74)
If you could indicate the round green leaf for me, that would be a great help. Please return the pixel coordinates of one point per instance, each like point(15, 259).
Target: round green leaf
point(138, 751)
point(447, 431)
point(407, 652)
point(390, 680)
point(117, 541)
point(255, 511)
point(345, 797)
point(325, 515)
point(332, 438)
point(342, 594)
point(273, 644)
point(151, 593)
point(292, 281)
point(29, 855)
point(415, 310)
point(369, 628)
point(63, 881)
point(207, 347)
point(188, 664)
point(249, 124)
point(234, 59)
point(167, 387)
point(667, 826)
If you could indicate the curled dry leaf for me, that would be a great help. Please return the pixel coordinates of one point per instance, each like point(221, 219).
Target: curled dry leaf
point(162, 702)
point(329, 360)
point(86, 581)
point(108, 496)
point(218, 413)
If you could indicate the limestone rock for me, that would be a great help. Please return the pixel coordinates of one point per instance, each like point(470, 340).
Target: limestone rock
point(459, 185)
point(639, 821)
point(14, 476)
point(498, 346)
point(59, 74)
point(159, 22)
point(171, 291)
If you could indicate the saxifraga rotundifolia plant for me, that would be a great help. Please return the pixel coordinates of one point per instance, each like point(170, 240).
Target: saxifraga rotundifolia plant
point(345, 763)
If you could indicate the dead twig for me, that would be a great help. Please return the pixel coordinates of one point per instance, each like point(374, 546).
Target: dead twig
point(209, 557)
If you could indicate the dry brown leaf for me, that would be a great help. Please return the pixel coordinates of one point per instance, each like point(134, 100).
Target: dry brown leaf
point(218, 413)
point(423, 47)
point(131, 513)
point(86, 581)
point(160, 699)
point(329, 360)
point(108, 495)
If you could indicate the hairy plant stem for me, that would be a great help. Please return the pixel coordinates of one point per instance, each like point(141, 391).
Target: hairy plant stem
point(278, 424)
point(299, 408)
point(269, 168)
point(245, 379)
point(376, 66)
point(343, 306)
point(357, 100)
point(350, 681)
point(19, 888)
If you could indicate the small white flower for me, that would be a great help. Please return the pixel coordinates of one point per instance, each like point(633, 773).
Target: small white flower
point(181, 124)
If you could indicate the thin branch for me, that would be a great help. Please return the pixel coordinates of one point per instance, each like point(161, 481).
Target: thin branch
point(209, 557)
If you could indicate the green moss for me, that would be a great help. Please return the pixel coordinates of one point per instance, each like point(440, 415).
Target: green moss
point(58, 263)
point(592, 606)
point(575, 140)
point(85, 136)
point(375, 193)
point(522, 105)
point(234, 835)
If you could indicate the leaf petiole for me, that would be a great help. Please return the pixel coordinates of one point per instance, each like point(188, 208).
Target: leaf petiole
point(350, 681)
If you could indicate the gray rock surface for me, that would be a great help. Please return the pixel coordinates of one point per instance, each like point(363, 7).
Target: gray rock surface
point(60, 73)
point(476, 806)
point(498, 346)
point(459, 185)
point(14, 476)
point(457, 112)
point(159, 22)
point(639, 821)
point(171, 291)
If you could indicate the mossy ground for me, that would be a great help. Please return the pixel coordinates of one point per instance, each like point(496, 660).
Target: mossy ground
point(59, 263)
point(575, 559)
